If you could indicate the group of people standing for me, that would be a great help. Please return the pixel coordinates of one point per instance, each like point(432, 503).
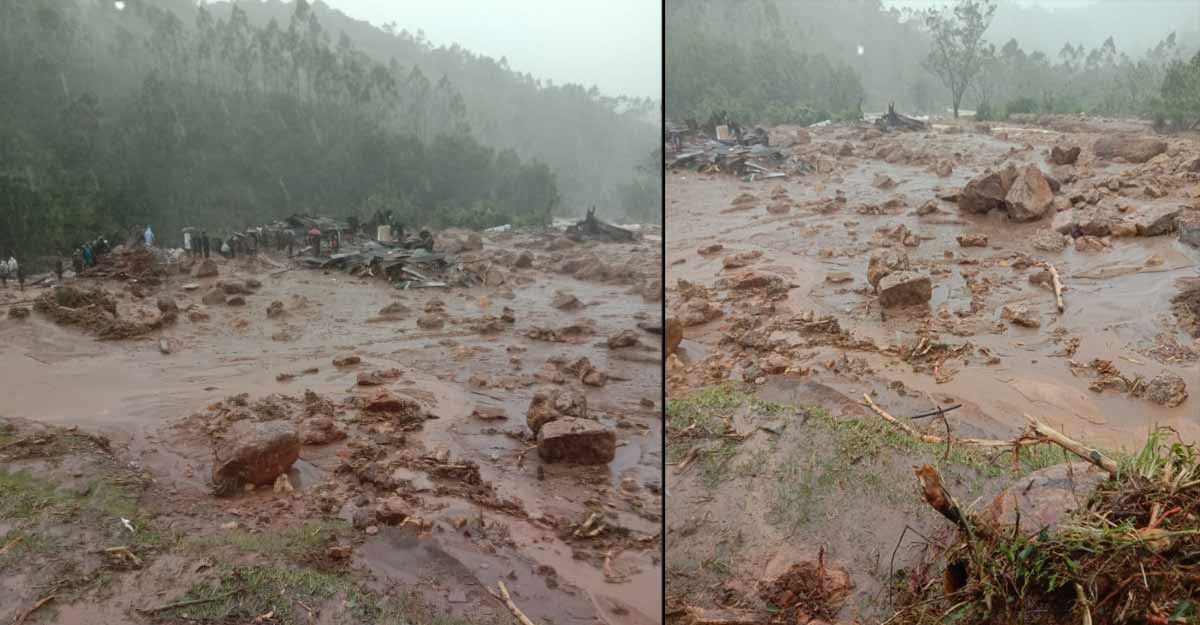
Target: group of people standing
point(11, 269)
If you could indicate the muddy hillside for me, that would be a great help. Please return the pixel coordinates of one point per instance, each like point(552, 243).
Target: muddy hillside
point(465, 434)
point(830, 289)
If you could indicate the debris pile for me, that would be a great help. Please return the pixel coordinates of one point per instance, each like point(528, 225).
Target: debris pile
point(95, 311)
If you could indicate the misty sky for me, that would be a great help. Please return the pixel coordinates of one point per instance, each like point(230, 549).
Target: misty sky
point(613, 44)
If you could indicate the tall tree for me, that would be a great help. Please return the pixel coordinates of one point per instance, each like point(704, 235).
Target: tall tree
point(959, 51)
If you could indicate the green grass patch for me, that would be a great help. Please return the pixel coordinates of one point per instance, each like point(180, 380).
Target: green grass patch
point(292, 543)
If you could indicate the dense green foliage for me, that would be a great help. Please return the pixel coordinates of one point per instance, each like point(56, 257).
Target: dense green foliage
point(1180, 102)
point(733, 57)
point(114, 117)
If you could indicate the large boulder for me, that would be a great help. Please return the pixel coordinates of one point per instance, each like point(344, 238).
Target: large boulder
point(985, 192)
point(576, 441)
point(206, 268)
point(1030, 197)
point(254, 452)
point(549, 406)
point(904, 288)
point(1132, 148)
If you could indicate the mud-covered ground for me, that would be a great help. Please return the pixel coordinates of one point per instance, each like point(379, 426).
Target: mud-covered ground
point(572, 543)
point(769, 279)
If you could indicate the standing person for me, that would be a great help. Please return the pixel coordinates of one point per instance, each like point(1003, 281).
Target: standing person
point(3, 272)
point(20, 277)
point(149, 237)
point(187, 243)
point(58, 268)
point(291, 240)
point(204, 242)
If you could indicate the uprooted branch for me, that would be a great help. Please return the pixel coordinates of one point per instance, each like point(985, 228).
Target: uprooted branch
point(938, 440)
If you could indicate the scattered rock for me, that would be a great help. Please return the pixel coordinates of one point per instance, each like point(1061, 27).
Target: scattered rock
point(565, 301)
point(884, 262)
point(346, 360)
point(624, 338)
point(524, 260)
point(741, 259)
point(973, 240)
point(1188, 225)
point(576, 441)
point(1064, 156)
point(320, 430)
point(674, 335)
point(1020, 315)
point(1167, 389)
point(904, 288)
point(838, 277)
point(166, 305)
point(1152, 221)
point(213, 297)
point(206, 268)
point(431, 321)
point(928, 208)
point(387, 403)
point(548, 406)
point(1045, 498)
point(236, 300)
point(943, 168)
point(1030, 196)
point(709, 250)
point(234, 287)
point(986, 192)
point(883, 181)
point(395, 310)
point(254, 452)
point(18, 312)
point(1133, 149)
point(275, 309)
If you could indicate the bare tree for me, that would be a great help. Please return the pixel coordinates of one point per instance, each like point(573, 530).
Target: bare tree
point(959, 51)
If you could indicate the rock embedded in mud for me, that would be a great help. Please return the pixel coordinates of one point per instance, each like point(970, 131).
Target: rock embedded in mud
point(565, 301)
point(1020, 315)
point(674, 335)
point(838, 277)
point(1133, 149)
point(524, 260)
point(1156, 220)
point(624, 338)
point(1029, 197)
point(943, 168)
point(576, 441)
point(166, 304)
point(1064, 156)
point(709, 250)
point(904, 288)
point(1187, 223)
point(392, 511)
point(972, 240)
point(254, 452)
point(234, 287)
point(275, 309)
point(928, 208)
point(206, 268)
point(431, 321)
point(386, 403)
point(549, 406)
point(346, 360)
point(1167, 389)
point(213, 297)
point(320, 431)
point(741, 259)
point(1045, 498)
point(236, 300)
point(18, 312)
point(750, 280)
point(697, 312)
point(884, 262)
point(883, 181)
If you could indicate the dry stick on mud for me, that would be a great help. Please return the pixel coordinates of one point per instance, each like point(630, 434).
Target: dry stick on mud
point(512, 607)
point(1039, 430)
point(937, 440)
point(184, 604)
point(40, 602)
point(1058, 300)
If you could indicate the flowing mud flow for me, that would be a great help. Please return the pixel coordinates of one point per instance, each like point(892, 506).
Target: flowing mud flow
point(772, 284)
point(417, 469)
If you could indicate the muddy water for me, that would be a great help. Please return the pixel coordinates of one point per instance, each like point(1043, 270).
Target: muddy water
point(1117, 303)
point(133, 393)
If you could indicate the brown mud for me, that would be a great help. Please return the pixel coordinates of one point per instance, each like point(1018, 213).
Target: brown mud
point(770, 281)
point(473, 378)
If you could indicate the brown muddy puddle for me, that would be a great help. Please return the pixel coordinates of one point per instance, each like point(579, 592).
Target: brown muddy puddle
point(1117, 300)
point(131, 392)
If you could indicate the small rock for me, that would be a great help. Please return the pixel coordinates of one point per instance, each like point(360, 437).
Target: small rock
point(283, 485)
point(1020, 315)
point(524, 260)
point(213, 297)
point(928, 208)
point(1188, 226)
point(236, 300)
point(549, 406)
point(431, 321)
point(346, 360)
point(838, 277)
point(206, 268)
point(565, 301)
point(166, 304)
point(576, 441)
point(255, 453)
point(372, 530)
point(624, 338)
point(884, 262)
point(674, 335)
point(883, 181)
point(1064, 156)
point(709, 250)
point(1167, 389)
point(904, 288)
point(275, 309)
point(1030, 196)
point(972, 240)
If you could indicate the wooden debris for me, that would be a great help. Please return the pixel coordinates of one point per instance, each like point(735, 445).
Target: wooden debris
point(512, 607)
point(39, 603)
point(1058, 299)
point(1041, 432)
point(930, 438)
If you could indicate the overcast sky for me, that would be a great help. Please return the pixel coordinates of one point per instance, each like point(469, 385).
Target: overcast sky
point(613, 44)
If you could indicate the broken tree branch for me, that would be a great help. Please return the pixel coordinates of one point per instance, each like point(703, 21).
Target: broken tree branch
point(39, 603)
point(512, 607)
point(937, 440)
point(1042, 432)
point(184, 604)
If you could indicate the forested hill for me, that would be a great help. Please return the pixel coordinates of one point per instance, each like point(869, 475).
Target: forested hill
point(591, 141)
point(120, 113)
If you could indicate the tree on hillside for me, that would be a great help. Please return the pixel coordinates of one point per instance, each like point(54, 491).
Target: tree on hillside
point(958, 52)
